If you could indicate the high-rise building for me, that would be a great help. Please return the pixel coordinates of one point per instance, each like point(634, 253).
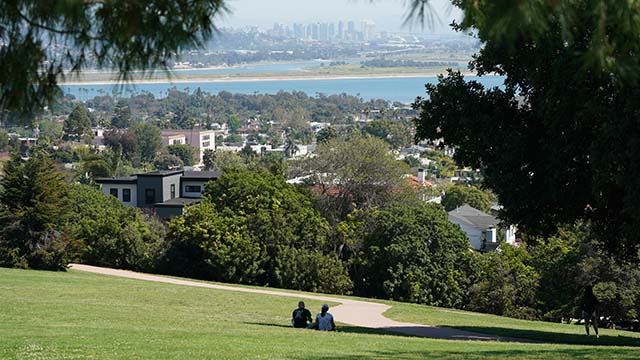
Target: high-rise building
point(332, 31)
point(351, 30)
point(299, 31)
point(324, 32)
point(340, 35)
point(315, 31)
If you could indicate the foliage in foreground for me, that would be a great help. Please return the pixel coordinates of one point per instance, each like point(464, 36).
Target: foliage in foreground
point(254, 228)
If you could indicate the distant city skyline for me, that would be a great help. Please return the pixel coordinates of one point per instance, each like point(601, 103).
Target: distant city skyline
point(388, 15)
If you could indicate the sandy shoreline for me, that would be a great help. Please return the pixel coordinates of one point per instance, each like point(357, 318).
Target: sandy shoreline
point(257, 78)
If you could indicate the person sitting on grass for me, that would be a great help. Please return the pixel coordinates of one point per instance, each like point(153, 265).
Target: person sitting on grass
point(324, 320)
point(590, 310)
point(301, 317)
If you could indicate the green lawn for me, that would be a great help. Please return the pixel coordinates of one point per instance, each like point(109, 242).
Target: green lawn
point(76, 315)
point(492, 324)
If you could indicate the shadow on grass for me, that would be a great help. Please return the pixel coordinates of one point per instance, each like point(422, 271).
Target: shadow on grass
point(533, 353)
point(557, 337)
point(341, 328)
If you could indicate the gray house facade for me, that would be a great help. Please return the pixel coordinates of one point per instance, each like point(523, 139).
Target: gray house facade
point(167, 192)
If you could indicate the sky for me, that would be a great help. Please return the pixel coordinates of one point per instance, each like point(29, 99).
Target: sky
point(388, 15)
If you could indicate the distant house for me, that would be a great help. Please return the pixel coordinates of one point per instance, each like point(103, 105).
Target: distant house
point(168, 192)
point(199, 140)
point(483, 230)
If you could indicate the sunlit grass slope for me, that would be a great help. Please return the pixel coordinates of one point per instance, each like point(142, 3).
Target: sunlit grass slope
point(75, 315)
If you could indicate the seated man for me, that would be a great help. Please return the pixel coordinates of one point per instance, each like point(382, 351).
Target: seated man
point(301, 317)
point(324, 320)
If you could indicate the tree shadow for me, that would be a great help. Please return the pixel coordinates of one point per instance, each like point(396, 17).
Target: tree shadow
point(556, 337)
point(471, 354)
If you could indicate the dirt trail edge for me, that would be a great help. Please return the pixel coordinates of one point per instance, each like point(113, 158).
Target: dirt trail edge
point(351, 312)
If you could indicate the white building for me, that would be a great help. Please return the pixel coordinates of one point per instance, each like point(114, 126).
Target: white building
point(481, 228)
point(199, 140)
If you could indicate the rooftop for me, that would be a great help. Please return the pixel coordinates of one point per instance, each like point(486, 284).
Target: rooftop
point(125, 179)
point(474, 217)
point(205, 175)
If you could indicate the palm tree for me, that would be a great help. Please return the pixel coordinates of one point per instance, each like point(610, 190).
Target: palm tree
point(290, 148)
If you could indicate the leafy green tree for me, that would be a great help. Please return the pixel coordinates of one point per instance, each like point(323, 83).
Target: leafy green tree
point(208, 245)
point(255, 228)
point(97, 166)
point(52, 130)
point(290, 148)
point(413, 254)
point(33, 206)
point(209, 159)
point(122, 116)
point(165, 161)
point(394, 133)
point(558, 142)
point(123, 141)
point(4, 140)
point(184, 152)
point(508, 284)
point(78, 124)
point(149, 141)
point(233, 121)
point(121, 34)
point(359, 170)
point(458, 195)
point(326, 134)
point(113, 234)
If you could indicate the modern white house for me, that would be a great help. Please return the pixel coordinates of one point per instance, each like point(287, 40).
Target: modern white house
point(167, 192)
point(484, 231)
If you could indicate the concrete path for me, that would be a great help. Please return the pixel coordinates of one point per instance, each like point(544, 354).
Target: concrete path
point(351, 312)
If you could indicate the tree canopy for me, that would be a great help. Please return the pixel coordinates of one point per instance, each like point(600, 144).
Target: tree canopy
point(559, 142)
point(43, 41)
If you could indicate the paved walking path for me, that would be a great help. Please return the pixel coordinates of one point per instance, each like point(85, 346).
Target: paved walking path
point(352, 312)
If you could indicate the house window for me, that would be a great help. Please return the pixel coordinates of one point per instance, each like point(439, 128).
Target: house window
point(173, 191)
point(113, 192)
point(206, 144)
point(126, 195)
point(150, 196)
point(192, 188)
point(206, 137)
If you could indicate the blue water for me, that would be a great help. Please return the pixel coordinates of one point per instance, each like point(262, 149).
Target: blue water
point(393, 89)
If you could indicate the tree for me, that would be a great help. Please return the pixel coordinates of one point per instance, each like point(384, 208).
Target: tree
point(458, 195)
point(326, 134)
point(78, 124)
point(209, 159)
point(290, 148)
point(149, 141)
point(122, 116)
point(508, 285)
point(255, 228)
point(122, 141)
point(413, 254)
point(558, 143)
point(395, 134)
point(4, 140)
point(113, 234)
point(183, 152)
point(121, 34)
point(359, 170)
point(33, 206)
point(165, 161)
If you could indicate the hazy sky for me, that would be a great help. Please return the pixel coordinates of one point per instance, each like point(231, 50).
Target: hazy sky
point(387, 14)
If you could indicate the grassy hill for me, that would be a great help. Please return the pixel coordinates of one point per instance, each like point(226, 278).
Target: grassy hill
point(78, 316)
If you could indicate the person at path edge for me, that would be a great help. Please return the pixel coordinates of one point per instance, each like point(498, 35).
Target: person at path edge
point(301, 317)
point(590, 310)
point(324, 320)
